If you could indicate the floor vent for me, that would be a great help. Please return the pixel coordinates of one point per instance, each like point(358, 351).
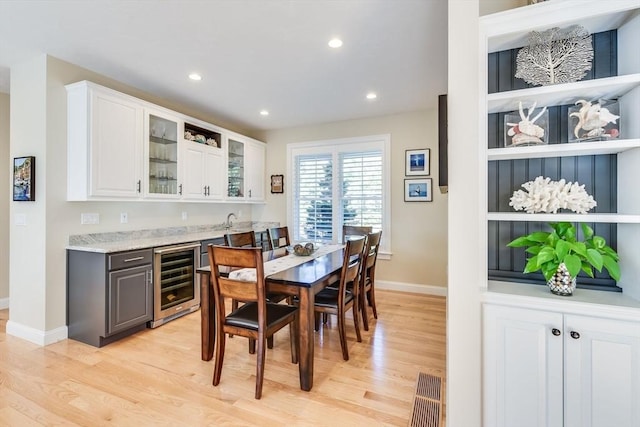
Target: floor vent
point(427, 403)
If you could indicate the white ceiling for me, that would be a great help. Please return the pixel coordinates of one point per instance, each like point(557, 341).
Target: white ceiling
point(252, 54)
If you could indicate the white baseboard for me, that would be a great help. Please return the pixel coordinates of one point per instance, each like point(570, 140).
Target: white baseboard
point(36, 336)
point(411, 287)
point(4, 303)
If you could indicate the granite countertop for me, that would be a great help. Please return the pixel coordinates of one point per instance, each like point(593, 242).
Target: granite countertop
point(144, 239)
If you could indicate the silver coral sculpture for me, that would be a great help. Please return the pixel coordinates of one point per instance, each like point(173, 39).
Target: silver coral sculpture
point(555, 56)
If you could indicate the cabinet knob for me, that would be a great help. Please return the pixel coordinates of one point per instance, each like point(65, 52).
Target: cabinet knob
point(556, 332)
point(139, 184)
point(180, 189)
point(249, 193)
point(575, 335)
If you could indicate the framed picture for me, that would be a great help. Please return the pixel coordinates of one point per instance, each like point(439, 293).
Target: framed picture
point(416, 162)
point(418, 190)
point(277, 184)
point(24, 179)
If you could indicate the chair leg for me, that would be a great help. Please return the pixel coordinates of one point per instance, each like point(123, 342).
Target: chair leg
point(294, 339)
point(356, 319)
point(270, 342)
point(372, 300)
point(234, 307)
point(252, 346)
point(218, 356)
point(343, 336)
point(260, 366)
point(325, 318)
point(362, 306)
point(316, 324)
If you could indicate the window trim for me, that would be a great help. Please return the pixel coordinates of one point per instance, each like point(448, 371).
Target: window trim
point(356, 144)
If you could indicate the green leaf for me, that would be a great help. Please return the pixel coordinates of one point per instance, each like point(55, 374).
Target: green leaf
point(594, 258)
point(538, 236)
point(549, 270)
point(612, 267)
point(546, 254)
point(532, 265)
point(586, 267)
point(562, 248)
point(533, 250)
point(599, 242)
point(587, 231)
point(573, 264)
point(610, 252)
point(579, 248)
point(520, 242)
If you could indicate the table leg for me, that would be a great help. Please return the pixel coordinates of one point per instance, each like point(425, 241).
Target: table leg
point(306, 330)
point(207, 318)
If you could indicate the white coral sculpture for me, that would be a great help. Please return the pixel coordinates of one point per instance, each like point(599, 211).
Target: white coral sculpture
point(525, 132)
point(544, 195)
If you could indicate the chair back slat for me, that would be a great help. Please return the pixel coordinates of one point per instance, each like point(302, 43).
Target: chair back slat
point(349, 231)
point(279, 237)
point(371, 250)
point(230, 258)
point(352, 258)
point(240, 240)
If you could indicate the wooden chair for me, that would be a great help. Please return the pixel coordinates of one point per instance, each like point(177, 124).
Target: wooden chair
point(355, 230)
point(339, 300)
point(367, 277)
point(258, 319)
point(247, 239)
point(277, 235)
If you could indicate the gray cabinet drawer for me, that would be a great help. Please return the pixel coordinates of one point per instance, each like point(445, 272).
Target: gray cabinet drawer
point(130, 259)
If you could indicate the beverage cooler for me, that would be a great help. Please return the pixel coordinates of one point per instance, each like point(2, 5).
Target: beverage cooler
point(176, 291)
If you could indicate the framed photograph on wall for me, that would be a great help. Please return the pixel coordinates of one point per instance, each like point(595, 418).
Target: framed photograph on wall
point(418, 190)
point(416, 162)
point(24, 179)
point(277, 184)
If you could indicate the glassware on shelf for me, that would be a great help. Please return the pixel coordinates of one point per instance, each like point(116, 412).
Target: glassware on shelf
point(523, 130)
point(594, 121)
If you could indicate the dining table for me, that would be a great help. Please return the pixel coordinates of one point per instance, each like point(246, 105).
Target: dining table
point(303, 277)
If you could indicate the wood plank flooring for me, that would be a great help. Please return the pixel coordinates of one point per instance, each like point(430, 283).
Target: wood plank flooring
point(156, 377)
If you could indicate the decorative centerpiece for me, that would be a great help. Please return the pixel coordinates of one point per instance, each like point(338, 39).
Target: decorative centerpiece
point(559, 255)
point(594, 121)
point(302, 249)
point(521, 130)
point(555, 56)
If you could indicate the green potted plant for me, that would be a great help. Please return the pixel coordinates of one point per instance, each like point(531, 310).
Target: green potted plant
point(560, 256)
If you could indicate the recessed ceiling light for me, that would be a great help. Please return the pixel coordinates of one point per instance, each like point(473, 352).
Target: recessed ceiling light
point(335, 43)
point(371, 95)
point(264, 113)
point(195, 76)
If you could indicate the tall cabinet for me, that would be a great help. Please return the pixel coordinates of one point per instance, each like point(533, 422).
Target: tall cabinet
point(550, 361)
point(245, 169)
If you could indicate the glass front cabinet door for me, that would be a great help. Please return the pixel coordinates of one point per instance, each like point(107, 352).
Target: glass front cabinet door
point(235, 170)
point(161, 149)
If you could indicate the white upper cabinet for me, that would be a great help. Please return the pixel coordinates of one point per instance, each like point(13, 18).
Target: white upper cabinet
point(245, 169)
point(104, 144)
point(122, 148)
point(162, 161)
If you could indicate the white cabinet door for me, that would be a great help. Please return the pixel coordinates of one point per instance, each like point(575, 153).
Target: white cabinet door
point(254, 171)
point(203, 175)
point(602, 371)
point(104, 144)
point(522, 367)
point(213, 165)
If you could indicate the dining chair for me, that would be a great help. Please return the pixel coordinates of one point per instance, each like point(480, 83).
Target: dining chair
point(247, 239)
point(367, 277)
point(257, 319)
point(279, 237)
point(349, 231)
point(338, 301)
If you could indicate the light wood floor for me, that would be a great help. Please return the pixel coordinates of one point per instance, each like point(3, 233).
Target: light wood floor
point(156, 377)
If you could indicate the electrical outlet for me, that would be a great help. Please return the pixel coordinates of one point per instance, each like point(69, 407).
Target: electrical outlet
point(124, 218)
point(184, 215)
point(89, 218)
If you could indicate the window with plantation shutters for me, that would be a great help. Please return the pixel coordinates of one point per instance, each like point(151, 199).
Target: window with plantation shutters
point(336, 183)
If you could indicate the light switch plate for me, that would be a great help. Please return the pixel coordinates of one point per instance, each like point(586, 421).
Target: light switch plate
point(184, 215)
point(124, 218)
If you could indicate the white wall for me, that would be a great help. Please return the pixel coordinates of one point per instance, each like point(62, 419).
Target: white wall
point(37, 283)
point(418, 230)
point(5, 197)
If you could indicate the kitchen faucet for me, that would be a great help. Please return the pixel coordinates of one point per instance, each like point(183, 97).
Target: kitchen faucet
point(229, 224)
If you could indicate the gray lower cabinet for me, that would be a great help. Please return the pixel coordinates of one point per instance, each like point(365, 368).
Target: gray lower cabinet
point(204, 255)
point(109, 295)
